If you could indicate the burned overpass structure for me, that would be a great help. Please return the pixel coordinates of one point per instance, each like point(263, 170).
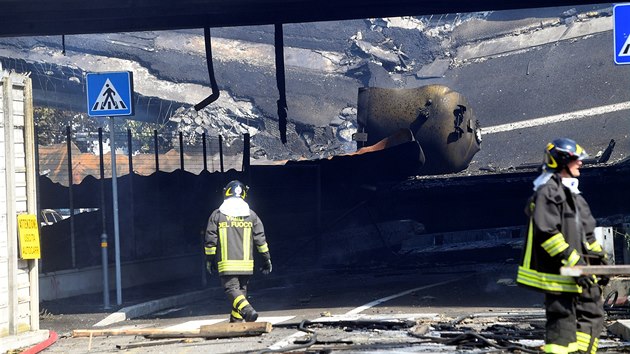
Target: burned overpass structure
point(346, 210)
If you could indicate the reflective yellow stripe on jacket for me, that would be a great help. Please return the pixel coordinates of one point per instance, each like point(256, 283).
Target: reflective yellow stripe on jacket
point(237, 265)
point(263, 248)
point(528, 247)
point(245, 264)
point(546, 281)
point(540, 280)
point(573, 259)
point(247, 240)
point(555, 244)
point(595, 246)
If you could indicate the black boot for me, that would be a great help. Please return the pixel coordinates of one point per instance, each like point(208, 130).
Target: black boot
point(249, 314)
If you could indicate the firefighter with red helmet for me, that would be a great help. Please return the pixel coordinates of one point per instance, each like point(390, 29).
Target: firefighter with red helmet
point(232, 233)
point(561, 233)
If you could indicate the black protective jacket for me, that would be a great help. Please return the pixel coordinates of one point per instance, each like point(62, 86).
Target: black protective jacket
point(230, 241)
point(560, 233)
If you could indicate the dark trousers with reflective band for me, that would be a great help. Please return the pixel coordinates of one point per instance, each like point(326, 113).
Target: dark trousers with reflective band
point(590, 318)
point(561, 323)
point(574, 321)
point(235, 287)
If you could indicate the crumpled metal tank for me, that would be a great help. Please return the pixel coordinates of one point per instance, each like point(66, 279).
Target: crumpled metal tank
point(440, 119)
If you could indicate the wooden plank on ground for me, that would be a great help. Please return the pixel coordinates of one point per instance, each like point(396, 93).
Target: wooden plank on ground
point(219, 330)
point(227, 330)
point(134, 332)
point(576, 271)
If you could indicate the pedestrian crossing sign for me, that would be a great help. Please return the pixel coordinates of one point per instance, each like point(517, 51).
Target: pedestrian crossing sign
point(109, 94)
point(621, 33)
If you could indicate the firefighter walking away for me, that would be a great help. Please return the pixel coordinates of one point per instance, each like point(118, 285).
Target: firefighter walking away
point(232, 233)
point(561, 233)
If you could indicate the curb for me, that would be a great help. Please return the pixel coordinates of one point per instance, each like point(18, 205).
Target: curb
point(52, 338)
point(23, 340)
point(152, 306)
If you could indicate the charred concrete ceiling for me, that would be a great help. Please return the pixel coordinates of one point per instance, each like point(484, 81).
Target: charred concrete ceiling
point(530, 75)
point(37, 17)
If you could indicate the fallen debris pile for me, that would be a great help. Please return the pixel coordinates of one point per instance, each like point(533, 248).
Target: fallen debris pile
point(507, 332)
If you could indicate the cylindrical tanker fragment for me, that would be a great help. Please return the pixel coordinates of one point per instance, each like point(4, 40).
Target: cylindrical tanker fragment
point(440, 119)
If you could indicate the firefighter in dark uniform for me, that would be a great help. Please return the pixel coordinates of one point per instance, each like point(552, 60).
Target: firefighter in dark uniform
point(232, 232)
point(561, 233)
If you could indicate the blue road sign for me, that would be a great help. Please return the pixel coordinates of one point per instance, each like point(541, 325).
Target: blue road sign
point(109, 94)
point(621, 33)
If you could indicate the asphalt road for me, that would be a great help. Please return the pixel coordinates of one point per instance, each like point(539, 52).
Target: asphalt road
point(438, 294)
point(553, 79)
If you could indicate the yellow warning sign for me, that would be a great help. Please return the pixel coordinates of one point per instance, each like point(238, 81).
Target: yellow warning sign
point(29, 236)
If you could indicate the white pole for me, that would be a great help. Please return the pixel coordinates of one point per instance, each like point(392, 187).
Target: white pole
point(115, 211)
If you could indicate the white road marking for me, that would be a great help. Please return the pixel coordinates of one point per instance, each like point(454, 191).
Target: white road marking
point(392, 317)
point(581, 114)
point(391, 297)
point(352, 314)
point(274, 319)
point(112, 318)
point(287, 341)
point(191, 325)
point(196, 324)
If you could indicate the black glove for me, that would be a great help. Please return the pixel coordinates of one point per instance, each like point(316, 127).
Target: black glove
point(585, 281)
point(211, 267)
point(603, 280)
point(266, 268)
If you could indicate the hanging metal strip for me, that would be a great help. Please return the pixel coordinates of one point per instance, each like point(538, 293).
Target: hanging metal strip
point(282, 101)
point(213, 81)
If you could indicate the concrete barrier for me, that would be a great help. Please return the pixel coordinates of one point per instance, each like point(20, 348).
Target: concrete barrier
point(67, 283)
